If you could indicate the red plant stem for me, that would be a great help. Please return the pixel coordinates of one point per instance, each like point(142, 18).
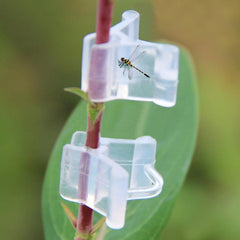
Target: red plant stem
point(104, 19)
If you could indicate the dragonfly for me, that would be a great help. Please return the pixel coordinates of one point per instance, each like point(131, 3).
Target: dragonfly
point(127, 63)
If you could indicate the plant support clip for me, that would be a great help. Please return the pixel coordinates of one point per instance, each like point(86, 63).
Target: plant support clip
point(129, 68)
point(105, 178)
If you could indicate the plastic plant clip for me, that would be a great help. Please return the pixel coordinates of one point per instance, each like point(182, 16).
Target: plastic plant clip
point(151, 74)
point(105, 178)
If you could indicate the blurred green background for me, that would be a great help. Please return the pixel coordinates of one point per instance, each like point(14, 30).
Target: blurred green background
point(40, 54)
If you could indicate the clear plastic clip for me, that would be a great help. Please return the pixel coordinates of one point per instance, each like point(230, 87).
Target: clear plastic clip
point(105, 178)
point(129, 68)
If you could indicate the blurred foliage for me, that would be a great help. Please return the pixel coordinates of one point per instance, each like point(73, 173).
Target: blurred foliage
point(40, 54)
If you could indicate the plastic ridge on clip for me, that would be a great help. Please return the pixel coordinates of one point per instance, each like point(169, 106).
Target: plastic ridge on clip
point(105, 178)
point(129, 68)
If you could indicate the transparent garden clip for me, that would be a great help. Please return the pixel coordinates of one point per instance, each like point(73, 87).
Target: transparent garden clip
point(120, 169)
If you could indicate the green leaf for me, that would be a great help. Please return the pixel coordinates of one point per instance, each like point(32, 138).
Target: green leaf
point(174, 129)
point(70, 215)
point(85, 236)
point(98, 225)
point(94, 110)
point(79, 92)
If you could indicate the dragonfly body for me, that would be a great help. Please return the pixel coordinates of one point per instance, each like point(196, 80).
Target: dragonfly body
point(127, 64)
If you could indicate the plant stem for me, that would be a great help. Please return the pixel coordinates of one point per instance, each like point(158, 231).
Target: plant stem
point(104, 19)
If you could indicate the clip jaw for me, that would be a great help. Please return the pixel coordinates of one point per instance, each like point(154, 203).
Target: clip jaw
point(105, 178)
point(156, 76)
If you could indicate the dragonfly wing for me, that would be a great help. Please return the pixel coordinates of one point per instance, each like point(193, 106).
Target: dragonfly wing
point(124, 71)
point(130, 73)
point(133, 55)
point(138, 56)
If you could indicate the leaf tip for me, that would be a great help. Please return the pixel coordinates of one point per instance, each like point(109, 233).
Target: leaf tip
point(70, 215)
